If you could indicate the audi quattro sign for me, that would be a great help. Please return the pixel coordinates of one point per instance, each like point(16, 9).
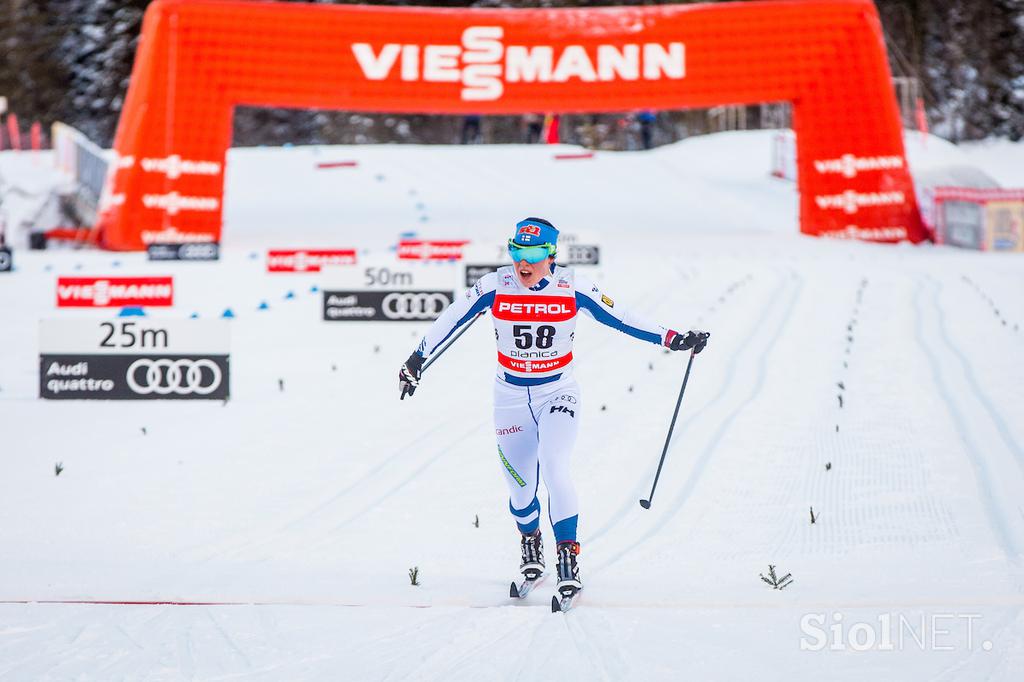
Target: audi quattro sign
point(580, 254)
point(388, 306)
point(474, 271)
point(202, 251)
point(134, 359)
point(382, 291)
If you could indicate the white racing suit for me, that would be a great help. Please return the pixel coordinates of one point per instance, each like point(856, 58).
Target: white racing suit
point(537, 404)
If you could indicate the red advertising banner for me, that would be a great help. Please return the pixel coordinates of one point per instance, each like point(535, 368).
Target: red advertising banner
point(415, 249)
point(114, 292)
point(308, 260)
point(534, 308)
point(198, 59)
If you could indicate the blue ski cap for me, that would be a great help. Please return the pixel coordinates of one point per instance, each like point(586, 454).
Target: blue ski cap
point(535, 231)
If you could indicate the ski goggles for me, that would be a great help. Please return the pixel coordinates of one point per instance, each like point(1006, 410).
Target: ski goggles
point(530, 254)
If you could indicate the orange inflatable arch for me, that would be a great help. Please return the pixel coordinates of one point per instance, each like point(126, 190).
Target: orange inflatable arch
point(198, 59)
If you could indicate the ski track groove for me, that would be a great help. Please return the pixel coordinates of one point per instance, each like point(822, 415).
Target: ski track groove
point(789, 537)
point(578, 646)
point(446, 449)
point(641, 485)
point(613, 664)
point(320, 507)
point(979, 658)
point(186, 653)
point(518, 675)
point(725, 387)
point(397, 642)
point(131, 639)
point(702, 460)
point(445, 658)
point(227, 638)
point(983, 477)
point(1000, 423)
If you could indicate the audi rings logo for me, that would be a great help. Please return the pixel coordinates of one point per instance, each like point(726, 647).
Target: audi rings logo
point(408, 305)
point(384, 306)
point(181, 377)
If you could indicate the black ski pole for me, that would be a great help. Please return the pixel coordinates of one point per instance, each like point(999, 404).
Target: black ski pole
point(646, 504)
point(449, 345)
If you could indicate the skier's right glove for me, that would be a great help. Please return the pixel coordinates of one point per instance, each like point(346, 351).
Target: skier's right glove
point(409, 375)
point(694, 339)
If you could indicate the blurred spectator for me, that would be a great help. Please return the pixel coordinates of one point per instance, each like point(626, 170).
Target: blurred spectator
point(534, 127)
point(551, 128)
point(626, 128)
point(471, 129)
point(646, 119)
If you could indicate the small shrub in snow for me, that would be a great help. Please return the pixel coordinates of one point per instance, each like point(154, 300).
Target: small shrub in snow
point(775, 581)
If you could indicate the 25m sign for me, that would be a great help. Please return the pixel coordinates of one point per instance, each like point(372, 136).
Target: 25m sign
point(128, 359)
point(114, 292)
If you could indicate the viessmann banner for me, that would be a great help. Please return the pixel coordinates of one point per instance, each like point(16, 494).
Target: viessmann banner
point(134, 359)
point(826, 57)
point(308, 260)
point(114, 292)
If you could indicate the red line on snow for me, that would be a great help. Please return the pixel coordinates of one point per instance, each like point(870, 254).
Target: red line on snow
point(112, 602)
point(118, 602)
point(323, 165)
point(581, 155)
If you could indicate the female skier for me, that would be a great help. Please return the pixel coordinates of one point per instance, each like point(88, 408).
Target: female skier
point(537, 402)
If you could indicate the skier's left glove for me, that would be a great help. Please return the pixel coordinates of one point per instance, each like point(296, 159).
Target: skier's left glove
point(694, 339)
point(409, 375)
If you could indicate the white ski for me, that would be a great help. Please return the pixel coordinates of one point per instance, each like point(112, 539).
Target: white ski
point(524, 588)
point(564, 603)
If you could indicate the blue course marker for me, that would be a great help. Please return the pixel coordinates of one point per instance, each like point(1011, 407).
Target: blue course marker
point(228, 312)
point(313, 289)
point(289, 295)
point(132, 311)
point(194, 316)
point(263, 306)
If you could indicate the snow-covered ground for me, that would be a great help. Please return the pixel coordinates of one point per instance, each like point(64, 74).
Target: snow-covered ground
point(298, 512)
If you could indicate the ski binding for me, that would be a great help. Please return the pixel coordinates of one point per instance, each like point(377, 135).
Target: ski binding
point(519, 591)
point(565, 600)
